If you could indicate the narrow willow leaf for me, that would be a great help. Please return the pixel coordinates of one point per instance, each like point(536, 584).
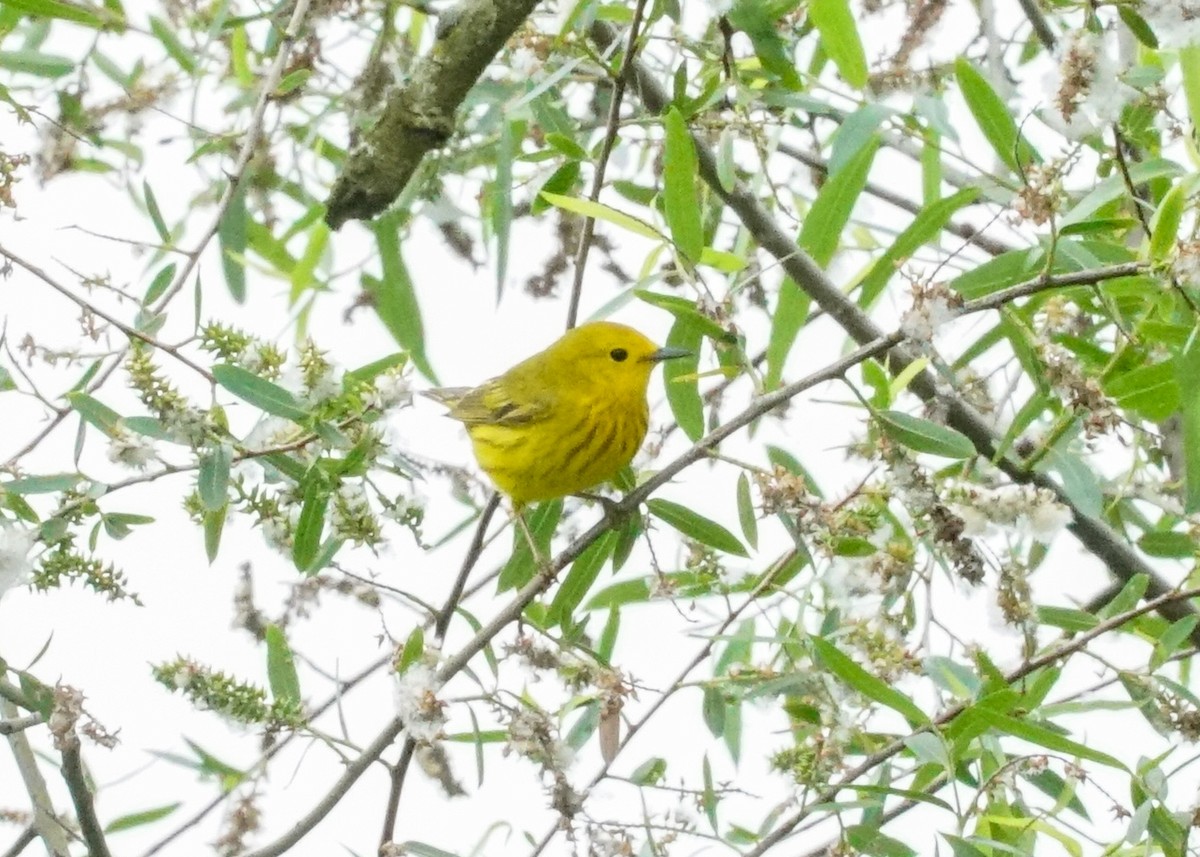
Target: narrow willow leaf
point(139, 819)
point(303, 274)
point(307, 537)
point(160, 225)
point(992, 115)
point(259, 392)
point(600, 211)
point(681, 203)
point(231, 237)
point(921, 231)
point(1035, 733)
point(1187, 373)
point(921, 435)
point(501, 200)
point(680, 381)
point(214, 526)
point(182, 55)
point(281, 666)
point(49, 484)
point(395, 296)
point(79, 14)
point(1164, 229)
point(36, 63)
point(868, 685)
point(821, 231)
point(213, 479)
point(839, 36)
point(746, 515)
point(1189, 64)
point(580, 578)
point(159, 284)
point(1150, 389)
point(713, 708)
point(696, 526)
point(791, 312)
point(95, 412)
point(413, 651)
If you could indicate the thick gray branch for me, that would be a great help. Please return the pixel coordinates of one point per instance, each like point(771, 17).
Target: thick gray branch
point(1106, 544)
point(420, 115)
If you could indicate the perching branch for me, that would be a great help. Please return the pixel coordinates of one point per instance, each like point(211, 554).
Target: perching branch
point(419, 116)
point(81, 796)
point(1122, 560)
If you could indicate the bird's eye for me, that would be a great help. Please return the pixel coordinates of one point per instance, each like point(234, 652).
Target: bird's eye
point(618, 354)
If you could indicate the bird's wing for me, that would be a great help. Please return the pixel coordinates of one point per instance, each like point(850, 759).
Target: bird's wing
point(492, 403)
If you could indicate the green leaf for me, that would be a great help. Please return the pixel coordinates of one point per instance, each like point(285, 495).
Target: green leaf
point(231, 237)
point(160, 225)
point(562, 181)
point(413, 651)
point(260, 392)
point(600, 211)
point(1187, 374)
point(650, 772)
point(681, 203)
point(1035, 733)
point(41, 484)
point(992, 115)
point(213, 482)
point(138, 819)
point(746, 516)
point(79, 14)
point(159, 284)
point(307, 538)
point(680, 381)
point(501, 198)
point(1150, 389)
point(921, 435)
point(1114, 187)
point(395, 296)
point(1170, 544)
point(95, 412)
point(580, 578)
point(791, 312)
point(1189, 64)
point(924, 228)
point(281, 666)
point(214, 526)
point(821, 231)
point(1164, 229)
point(696, 526)
point(182, 55)
point(713, 707)
point(753, 18)
point(839, 36)
point(36, 63)
point(868, 685)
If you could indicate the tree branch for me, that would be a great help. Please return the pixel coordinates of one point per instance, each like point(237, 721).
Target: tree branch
point(81, 796)
point(420, 115)
point(45, 821)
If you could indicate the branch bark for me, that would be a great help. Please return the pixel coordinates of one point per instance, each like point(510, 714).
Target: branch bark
point(419, 116)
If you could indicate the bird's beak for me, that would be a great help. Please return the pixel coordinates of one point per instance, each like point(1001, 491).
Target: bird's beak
point(668, 353)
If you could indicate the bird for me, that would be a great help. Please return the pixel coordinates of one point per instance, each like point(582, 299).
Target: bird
point(566, 419)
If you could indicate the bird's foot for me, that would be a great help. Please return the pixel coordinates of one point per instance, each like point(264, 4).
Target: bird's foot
point(614, 515)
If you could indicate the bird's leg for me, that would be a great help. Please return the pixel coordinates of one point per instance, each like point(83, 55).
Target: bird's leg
point(613, 513)
point(539, 561)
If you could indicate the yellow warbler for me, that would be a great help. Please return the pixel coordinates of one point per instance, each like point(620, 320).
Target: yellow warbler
point(567, 418)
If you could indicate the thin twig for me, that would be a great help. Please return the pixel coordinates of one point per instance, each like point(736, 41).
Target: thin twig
point(468, 564)
point(20, 724)
point(23, 840)
point(610, 137)
point(129, 331)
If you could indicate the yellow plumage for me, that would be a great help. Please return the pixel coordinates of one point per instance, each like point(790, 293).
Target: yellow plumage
point(566, 419)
